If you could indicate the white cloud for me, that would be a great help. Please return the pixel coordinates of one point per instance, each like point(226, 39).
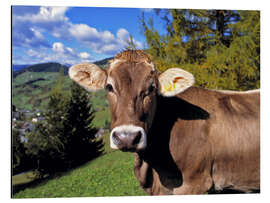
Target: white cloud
point(29, 29)
point(31, 56)
point(109, 48)
point(37, 34)
point(84, 55)
point(31, 52)
point(34, 53)
point(70, 50)
point(45, 15)
point(107, 37)
point(53, 13)
point(57, 53)
point(122, 34)
point(101, 42)
point(139, 45)
point(58, 47)
point(83, 32)
point(65, 54)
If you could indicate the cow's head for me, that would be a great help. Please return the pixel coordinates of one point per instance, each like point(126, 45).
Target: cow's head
point(132, 85)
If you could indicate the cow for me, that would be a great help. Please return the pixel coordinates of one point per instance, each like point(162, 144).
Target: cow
point(185, 139)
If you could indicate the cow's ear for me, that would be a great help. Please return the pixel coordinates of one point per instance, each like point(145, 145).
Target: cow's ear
point(174, 81)
point(89, 76)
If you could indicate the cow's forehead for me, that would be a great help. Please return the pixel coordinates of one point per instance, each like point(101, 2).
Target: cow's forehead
point(116, 63)
point(130, 56)
point(124, 71)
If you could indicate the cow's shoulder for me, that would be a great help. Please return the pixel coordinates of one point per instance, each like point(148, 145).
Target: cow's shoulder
point(236, 103)
point(232, 102)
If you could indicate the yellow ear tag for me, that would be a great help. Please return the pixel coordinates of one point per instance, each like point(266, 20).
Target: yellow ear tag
point(169, 87)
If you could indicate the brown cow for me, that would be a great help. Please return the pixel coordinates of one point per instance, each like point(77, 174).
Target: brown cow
point(186, 140)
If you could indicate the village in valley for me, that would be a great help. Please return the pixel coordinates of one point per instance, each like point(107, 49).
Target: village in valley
point(24, 121)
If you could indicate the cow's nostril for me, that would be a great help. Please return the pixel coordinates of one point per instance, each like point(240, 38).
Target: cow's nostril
point(115, 138)
point(137, 138)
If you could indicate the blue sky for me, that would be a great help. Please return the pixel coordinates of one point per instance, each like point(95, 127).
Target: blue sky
point(71, 35)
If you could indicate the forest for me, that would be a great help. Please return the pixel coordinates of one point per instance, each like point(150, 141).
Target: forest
point(221, 48)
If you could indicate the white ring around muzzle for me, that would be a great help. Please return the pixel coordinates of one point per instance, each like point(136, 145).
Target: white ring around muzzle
point(130, 128)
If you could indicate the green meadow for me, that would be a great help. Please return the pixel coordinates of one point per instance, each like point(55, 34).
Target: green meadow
point(31, 90)
point(109, 175)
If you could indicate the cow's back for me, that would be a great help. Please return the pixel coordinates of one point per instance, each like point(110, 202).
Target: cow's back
point(236, 161)
point(202, 140)
point(225, 146)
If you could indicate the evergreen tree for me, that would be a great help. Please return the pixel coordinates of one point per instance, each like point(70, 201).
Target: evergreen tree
point(130, 43)
point(17, 149)
point(46, 151)
point(221, 48)
point(20, 161)
point(66, 138)
point(81, 143)
point(46, 144)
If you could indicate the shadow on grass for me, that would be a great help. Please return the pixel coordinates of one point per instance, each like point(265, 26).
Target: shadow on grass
point(37, 182)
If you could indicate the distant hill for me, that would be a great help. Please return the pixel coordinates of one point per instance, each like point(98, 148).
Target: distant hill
point(42, 67)
point(103, 63)
point(19, 67)
point(51, 67)
point(32, 85)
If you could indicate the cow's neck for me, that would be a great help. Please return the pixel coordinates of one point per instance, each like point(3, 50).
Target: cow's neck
point(157, 157)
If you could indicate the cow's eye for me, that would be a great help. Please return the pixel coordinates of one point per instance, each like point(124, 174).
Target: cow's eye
point(150, 89)
point(109, 88)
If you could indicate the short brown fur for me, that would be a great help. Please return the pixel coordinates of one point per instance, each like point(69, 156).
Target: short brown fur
point(211, 144)
point(133, 56)
point(198, 141)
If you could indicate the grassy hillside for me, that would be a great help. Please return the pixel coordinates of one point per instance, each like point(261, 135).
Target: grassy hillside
point(109, 175)
point(42, 67)
point(30, 91)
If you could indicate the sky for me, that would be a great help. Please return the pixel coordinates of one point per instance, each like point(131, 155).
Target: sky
point(71, 35)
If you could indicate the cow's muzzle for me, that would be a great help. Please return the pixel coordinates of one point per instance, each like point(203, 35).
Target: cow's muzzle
point(128, 138)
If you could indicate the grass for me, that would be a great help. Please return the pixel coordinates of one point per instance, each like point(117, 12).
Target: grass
point(28, 97)
point(23, 178)
point(109, 175)
point(101, 117)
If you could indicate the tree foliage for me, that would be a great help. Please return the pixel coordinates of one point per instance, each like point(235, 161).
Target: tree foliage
point(46, 144)
point(81, 143)
point(66, 137)
point(220, 47)
point(130, 43)
point(17, 149)
point(20, 161)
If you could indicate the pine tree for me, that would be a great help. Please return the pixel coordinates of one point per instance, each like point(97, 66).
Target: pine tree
point(18, 153)
point(245, 49)
point(130, 43)
point(220, 47)
point(66, 138)
point(46, 144)
point(81, 143)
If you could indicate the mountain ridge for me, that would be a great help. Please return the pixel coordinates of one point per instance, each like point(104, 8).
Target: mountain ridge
point(50, 67)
